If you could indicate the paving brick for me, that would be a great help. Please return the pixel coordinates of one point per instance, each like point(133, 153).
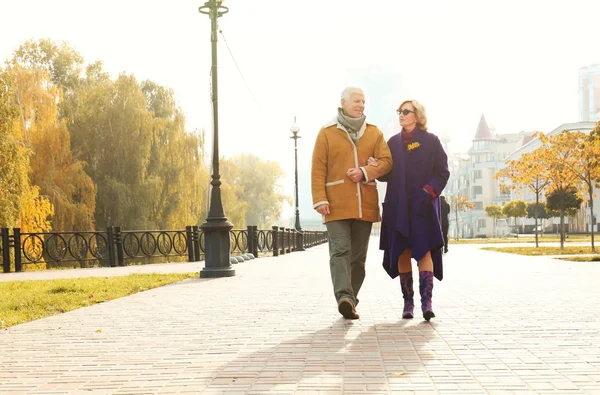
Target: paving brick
point(500, 327)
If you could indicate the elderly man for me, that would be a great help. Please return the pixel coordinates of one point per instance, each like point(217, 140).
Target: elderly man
point(349, 155)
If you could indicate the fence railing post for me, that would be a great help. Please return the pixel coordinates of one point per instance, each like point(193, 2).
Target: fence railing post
point(189, 243)
point(283, 240)
point(300, 245)
point(250, 239)
point(119, 246)
point(288, 232)
point(17, 249)
point(110, 236)
point(196, 241)
point(5, 250)
point(255, 241)
point(275, 241)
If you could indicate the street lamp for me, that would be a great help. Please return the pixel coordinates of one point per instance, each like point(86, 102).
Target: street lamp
point(299, 235)
point(216, 228)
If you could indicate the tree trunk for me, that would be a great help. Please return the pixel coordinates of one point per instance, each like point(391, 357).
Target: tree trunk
point(456, 217)
point(535, 215)
point(591, 191)
point(562, 229)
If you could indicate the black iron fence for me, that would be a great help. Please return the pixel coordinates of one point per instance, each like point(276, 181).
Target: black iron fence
point(117, 247)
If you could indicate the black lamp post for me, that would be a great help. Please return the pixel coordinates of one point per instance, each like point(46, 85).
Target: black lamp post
point(216, 228)
point(299, 235)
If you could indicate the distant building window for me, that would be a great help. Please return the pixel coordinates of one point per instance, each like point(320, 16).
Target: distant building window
point(490, 157)
point(477, 190)
point(476, 175)
point(481, 223)
point(478, 205)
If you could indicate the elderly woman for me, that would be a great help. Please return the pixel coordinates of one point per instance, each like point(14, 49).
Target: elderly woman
point(411, 220)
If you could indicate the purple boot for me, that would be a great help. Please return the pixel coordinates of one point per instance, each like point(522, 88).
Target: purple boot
point(406, 283)
point(426, 290)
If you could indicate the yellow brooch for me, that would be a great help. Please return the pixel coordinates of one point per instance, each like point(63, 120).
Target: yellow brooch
point(413, 146)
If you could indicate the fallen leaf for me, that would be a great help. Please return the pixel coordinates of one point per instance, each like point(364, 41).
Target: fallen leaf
point(398, 373)
point(98, 330)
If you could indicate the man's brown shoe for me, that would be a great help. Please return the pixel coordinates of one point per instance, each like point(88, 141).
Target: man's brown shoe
point(347, 310)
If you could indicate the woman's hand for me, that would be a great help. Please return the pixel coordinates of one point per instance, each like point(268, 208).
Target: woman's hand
point(372, 162)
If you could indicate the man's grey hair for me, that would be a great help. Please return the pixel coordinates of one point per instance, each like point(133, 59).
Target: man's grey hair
point(350, 90)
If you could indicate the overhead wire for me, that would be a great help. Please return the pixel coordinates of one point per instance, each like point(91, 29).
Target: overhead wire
point(240, 71)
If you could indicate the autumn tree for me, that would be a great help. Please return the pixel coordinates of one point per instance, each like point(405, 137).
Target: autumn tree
point(458, 204)
point(20, 202)
point(515, 209)
point(177, 178)
point(527, 172)
point(584, 162)
point(232, 193)
point(62, 63)
point(194, 188)
point(554, 155)
point(130, 139)
point(494, 211)
point(14, 157)
point(258, 192)
point(62, 180)
point(565, 202)
point(112, 132)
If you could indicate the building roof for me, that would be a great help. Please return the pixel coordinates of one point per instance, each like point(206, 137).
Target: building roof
point(483, 131)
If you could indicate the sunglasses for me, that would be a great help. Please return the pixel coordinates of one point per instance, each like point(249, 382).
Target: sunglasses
point(404, 112)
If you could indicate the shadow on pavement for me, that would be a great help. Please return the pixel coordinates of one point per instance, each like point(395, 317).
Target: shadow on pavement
point(345, 356)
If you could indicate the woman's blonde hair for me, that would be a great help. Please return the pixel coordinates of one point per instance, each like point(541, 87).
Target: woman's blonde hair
point(419, 113)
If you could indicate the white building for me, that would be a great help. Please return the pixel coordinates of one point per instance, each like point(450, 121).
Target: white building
point(589, 93)
point(473, 175)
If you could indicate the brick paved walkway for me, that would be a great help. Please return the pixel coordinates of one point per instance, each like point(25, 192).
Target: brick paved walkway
point(505, 324)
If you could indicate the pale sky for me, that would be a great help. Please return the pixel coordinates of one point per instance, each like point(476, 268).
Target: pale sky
point(516, 61)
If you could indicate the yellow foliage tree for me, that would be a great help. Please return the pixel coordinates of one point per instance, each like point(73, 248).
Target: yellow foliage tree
point(460, 203)
point(62, 180)
point(526, 172)
point(20, 203)
point(554, 155)
point(584, 161)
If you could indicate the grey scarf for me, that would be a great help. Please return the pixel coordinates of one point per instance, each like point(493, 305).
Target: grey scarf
point(352, 125)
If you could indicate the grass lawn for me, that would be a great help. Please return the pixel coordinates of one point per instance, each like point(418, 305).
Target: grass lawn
point(592, 258)
point(23, 301)
point(525, 239)
point(532, 251)
point(491, 241)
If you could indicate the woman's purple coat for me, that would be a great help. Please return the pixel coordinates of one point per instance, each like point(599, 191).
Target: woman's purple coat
point(411, 218)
